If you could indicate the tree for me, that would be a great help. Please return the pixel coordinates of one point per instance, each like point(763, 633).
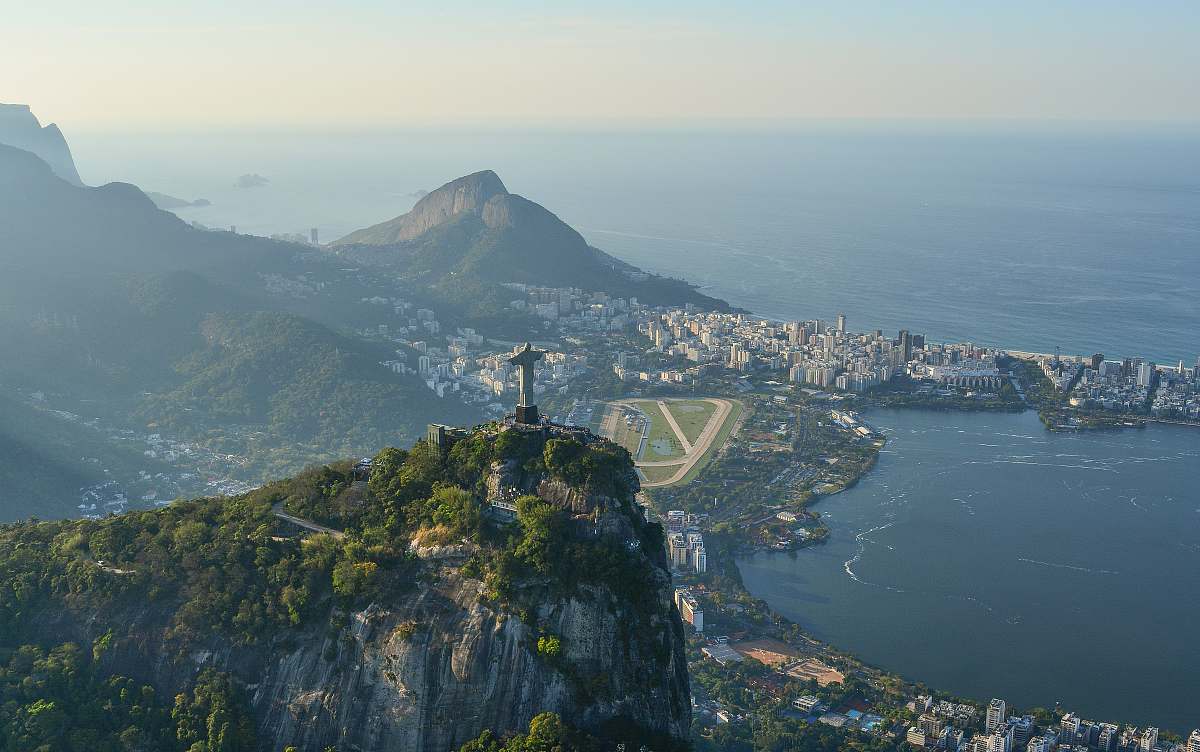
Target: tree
point(213, 718)
point(549, 646)
point(543, 530)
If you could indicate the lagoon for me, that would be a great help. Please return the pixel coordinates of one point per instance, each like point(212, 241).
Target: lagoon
point(988, 557)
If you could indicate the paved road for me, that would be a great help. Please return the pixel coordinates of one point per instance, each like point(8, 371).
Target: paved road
point(278, 510)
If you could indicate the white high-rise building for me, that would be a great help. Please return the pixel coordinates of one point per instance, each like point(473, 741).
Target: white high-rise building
point(1149, 739)
point(1040, 744)
point(1193, 743)
point(1145, 374)
point(999, 742)
point(841, 323)
point(1069, 729)
point(997, 712)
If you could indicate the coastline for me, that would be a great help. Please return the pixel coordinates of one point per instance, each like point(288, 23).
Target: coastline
point(744, 555)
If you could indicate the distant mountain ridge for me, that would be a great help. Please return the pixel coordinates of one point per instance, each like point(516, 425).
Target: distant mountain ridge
point(164, 201)
point(107, 300)
point(20, 128)
point(472, 230)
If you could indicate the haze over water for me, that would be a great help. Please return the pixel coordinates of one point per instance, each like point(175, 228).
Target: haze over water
point(988, 557)
point(1085, 237)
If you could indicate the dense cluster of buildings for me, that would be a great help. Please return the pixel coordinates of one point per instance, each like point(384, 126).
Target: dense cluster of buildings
point(574, 308)
point(954, 727)
point(1128, 385)
point(818, 353)
point(477, 371)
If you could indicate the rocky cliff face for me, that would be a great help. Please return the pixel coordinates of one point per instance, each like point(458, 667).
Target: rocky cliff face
point(466, 195)
point(430, 667)
point(19, 127)
point(433, 672)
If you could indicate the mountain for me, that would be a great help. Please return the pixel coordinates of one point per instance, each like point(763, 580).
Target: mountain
point(163, 201)
point(52, 227)
point(118, 310)
point(288, 376)
point(417, 620)
point(466, 195)
point(20, 128)
point(471, 235)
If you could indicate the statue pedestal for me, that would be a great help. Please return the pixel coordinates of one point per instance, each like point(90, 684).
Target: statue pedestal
point(527, 414)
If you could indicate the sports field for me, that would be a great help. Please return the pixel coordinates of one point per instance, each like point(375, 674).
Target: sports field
point(663, 443)
point(692, 416)
point(670, 439)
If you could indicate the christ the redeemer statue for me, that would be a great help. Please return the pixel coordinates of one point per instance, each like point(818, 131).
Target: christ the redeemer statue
point(524, 358)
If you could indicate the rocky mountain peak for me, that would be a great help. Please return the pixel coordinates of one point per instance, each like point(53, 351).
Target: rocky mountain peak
point(20, 128)
point(466, 195)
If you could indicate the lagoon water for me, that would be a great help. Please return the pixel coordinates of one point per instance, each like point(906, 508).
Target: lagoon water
point(1084, 237)
point(988, 557)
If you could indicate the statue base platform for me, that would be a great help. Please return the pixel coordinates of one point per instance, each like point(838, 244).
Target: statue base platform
point(527, 414)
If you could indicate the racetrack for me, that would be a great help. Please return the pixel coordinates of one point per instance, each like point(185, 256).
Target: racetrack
point(693, 451)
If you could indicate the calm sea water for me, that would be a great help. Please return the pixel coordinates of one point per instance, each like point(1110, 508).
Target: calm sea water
point(991, 558)
point(1088, 239)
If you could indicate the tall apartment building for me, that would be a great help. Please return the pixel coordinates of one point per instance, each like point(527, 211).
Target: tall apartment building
point(999, 741)
point(1149, 739)
point(997, 713)
point(1193, 742)
point(689, 609)
point(1110, 735)
point(1068, 729)
point(680, 553)
point(1021, 731)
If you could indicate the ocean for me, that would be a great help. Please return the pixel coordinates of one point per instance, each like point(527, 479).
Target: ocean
point(1085, 238)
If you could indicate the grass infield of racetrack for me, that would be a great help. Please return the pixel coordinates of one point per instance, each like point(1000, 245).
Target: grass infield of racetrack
point(731, 420)
point(692, 416)
point(661, 434)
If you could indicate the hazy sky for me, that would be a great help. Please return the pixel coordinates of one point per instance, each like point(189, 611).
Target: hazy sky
point(98, 64)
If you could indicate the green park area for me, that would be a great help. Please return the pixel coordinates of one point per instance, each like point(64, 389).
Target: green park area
point(692, 416)
point(663, 444)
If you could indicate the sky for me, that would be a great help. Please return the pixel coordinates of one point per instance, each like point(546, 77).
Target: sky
point(122, 64)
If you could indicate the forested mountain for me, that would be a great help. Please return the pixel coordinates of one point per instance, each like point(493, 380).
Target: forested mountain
point(420, 622)
point(116, 309)
point(471, 235)
point(292, 377)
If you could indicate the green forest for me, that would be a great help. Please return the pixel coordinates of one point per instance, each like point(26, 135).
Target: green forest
point(76, 592)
